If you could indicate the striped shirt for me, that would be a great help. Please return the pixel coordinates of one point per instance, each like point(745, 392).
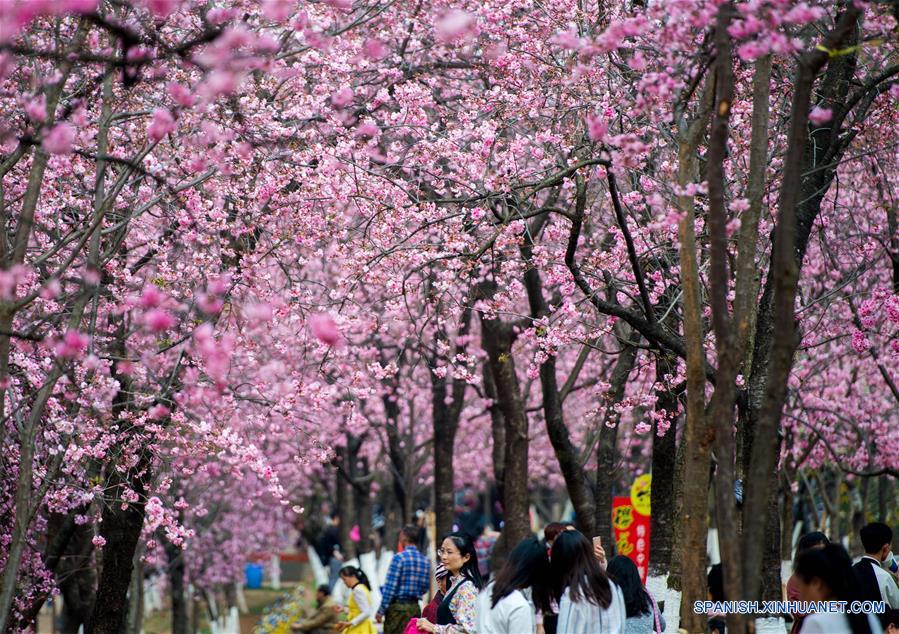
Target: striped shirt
point(408, 577)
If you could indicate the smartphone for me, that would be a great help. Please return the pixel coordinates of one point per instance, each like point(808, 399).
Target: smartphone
point(597, 541)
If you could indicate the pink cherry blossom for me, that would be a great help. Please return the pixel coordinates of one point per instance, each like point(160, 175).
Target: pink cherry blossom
point(324, 328)
point(181, 94)
point(151, 297)
point(820, 116)
point(162, 124)
point(36, 109)
point(375, 49)
point(342, 98)
point(162, 8)
point(455, 25)
point(597, 128)
point(158, 412)
point(158, 320)
point(59, 139)
point(73, 345)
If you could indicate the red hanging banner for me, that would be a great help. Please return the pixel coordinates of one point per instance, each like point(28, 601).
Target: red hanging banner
point(632, 527)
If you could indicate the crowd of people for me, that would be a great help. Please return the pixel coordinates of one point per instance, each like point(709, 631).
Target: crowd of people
point(563, 584)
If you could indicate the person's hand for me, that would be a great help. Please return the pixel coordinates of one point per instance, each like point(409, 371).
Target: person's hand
point(600, 553)
point(379, 617)
point(342, 626)
point(337, 608)
point(424, 625)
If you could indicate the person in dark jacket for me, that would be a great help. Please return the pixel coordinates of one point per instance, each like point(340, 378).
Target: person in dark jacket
point(875, 583)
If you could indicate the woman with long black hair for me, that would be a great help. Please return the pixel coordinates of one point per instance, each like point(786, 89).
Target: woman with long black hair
point(589, 603)
point(457, 613)
point(825, 574)
point(502, 605)
point(642, 614)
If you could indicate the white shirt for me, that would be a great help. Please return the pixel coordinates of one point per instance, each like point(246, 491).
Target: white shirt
point(513, 613)
point(834, 623)
point(367, 609)
point(583, 617)
point(889, 591)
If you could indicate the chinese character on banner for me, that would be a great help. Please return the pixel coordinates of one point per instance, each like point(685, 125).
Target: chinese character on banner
point(630, 523)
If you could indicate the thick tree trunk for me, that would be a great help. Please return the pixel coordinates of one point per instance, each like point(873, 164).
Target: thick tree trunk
point(664, 467)
point(697, 439)
point(177, 589)
point(447, 399)
point(362, 500)
point(121, 529)
point(607, 452)
point(497, 338)
point(134, 622)
point(444, 473)
point(567, 455)
point(798, 204)
point(344, 503)
point(498, 432)
point(77, 580)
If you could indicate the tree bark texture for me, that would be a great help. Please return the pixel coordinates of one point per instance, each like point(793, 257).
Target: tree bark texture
point(498, 338)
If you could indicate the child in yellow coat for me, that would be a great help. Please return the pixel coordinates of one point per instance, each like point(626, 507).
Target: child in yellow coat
point(361, 608)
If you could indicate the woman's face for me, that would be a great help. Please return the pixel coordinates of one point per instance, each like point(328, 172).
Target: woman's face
point(349, 581)
point(451, 556)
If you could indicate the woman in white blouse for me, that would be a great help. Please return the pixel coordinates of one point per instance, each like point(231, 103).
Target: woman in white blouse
point(589, 603)
point(502, 605)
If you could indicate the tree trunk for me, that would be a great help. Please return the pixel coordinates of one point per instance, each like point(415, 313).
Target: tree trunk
point(497, 339)
point(607, 452)
point(697, 440)
point(134, 621)
point(498, 432)
point(177, 588)
point(804, 185)
point(567, 454)
point(362, 502)
point(664, 466)
point(121, 529)
point(344, 504)
point(77, 579)
point(444, 473)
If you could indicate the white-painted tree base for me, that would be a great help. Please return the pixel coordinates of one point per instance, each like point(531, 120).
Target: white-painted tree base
point(658, 587)
point(318, 570)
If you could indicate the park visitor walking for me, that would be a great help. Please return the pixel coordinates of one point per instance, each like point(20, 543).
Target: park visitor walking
point(360, 608)
point(502, 605)
point(457, 613)
point(876, 584)
point(589, 603)
point(408, 578)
